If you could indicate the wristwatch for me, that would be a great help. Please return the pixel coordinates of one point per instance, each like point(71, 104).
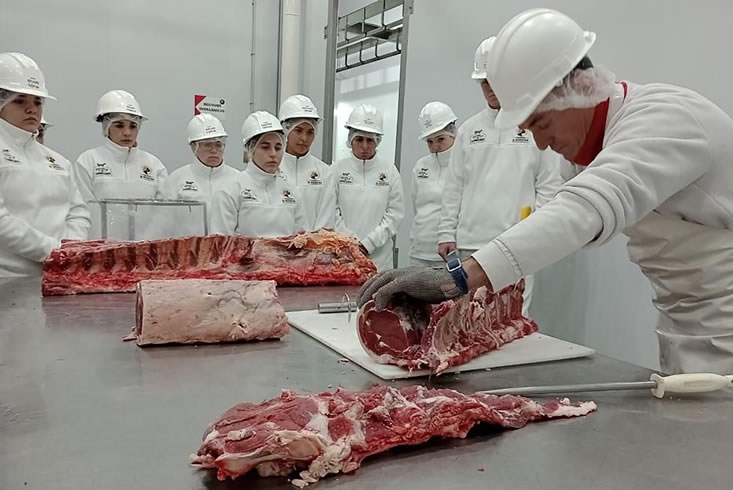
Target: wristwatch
point(454, 266)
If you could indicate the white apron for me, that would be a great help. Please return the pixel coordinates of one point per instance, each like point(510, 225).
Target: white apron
point(690, 267)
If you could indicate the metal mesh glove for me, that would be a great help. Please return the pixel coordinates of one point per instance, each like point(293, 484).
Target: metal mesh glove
point(431, 285)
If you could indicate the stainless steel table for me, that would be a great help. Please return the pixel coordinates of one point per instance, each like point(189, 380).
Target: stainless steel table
point(80, 409)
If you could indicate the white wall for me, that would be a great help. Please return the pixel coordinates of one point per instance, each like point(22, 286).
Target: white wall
point(163, 51)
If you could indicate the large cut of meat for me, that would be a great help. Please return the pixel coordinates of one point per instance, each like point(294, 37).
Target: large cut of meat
point(333, 432)
point(207, 311)
point(415, 335)
point(317, 258)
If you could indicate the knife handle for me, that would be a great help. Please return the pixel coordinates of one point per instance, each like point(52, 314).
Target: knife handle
point(691, 383)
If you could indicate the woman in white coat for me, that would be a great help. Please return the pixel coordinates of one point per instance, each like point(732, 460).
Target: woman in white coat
point(118, 169)
point(261, 202)
point(650, 161)
point(437, 124)
point(200, 179)
point(40, 204)
point(370, 198)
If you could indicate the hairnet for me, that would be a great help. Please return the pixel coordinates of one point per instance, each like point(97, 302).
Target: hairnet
point(449, 130)
point(113, 117)
point(353, 133)
point(290, 124)
point(251, 144)
point(6, 97)
point(581, 88)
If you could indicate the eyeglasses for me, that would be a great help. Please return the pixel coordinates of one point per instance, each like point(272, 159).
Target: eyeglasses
point(212, 145)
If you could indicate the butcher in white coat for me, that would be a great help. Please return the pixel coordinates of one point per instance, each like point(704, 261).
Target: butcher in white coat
point(198, 180)
point(437, 124)
point(261, 202)
point(118, 169)
point(40, 204)
point(312, 177)
point(496, 177)
point(650, 161)
point(370, 198)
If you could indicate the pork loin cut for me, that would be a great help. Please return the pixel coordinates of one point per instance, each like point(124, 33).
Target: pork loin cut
point(306, 259)
point(208, 311)
point(414, 335)
point(327, 433)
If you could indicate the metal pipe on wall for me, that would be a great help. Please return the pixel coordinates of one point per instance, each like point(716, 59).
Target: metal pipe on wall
point(252, 77)
point(330, 89)
point(290, 13)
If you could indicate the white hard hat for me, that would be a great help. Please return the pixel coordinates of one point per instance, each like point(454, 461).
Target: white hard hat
point(433, 117)
point(479, 59)
point(532, 53)
point(204, 126)
point(259, 122)
point(365, 118)
point(118, 101)
point(298, 106)
point(45, 123)
point(20, 74)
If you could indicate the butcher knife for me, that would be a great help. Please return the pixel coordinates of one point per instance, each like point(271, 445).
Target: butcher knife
point(659, 385)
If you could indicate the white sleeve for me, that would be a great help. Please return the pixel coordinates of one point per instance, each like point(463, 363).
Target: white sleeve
point(84, 180)
point(225, 211)
point(19, 237)
point(563, 225)
point(452, 193)
point(300, 218)
point(413, 188)
point(160, 177)
point(326, 217)
point(548, 178)
point(393, 215)
point(78, 220)
point(339, 225)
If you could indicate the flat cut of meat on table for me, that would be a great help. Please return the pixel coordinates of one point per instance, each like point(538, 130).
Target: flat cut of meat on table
point(416, 335)
point(310, 436)
point(306, 259)
point(191, 311)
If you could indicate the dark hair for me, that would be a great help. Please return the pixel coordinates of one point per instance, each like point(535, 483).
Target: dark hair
point(584, 64)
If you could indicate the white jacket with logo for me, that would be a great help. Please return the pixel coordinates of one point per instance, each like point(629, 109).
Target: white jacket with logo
point(192, 182)
point(428, 183)
point(317, 188)
point(257, 204)
point(492, 175)
point(370, 201)
point(40, 204)
point(112, 171)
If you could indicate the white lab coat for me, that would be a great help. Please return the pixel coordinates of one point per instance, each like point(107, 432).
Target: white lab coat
point(111, 171)
point(192, 182)
point(492, 175)
point(666, 156)
point(40, 204)
point(428, 183)
point(317, 188)
point(257, 204)
point(370, 202)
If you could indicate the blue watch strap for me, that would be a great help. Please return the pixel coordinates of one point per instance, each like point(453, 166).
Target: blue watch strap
point(454, 266)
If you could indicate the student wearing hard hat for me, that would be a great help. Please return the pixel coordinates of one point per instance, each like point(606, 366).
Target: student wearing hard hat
point(369, 194)
point(261, 202)
point(650, 161)
point(40, 204)
point(496, 176)
point(118, 169)
point(41, 134)
point(313, 178)
point(201, 178)
point(437, 124)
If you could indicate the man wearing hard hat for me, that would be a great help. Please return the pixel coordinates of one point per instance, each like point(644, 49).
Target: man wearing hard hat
point(650, 161)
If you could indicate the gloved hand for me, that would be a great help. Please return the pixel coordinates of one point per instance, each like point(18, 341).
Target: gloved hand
point(432, 285)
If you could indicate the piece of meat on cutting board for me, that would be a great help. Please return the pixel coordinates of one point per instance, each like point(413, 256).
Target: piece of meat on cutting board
point(191, 311)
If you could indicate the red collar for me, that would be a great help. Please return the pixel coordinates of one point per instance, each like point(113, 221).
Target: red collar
point(593, 143)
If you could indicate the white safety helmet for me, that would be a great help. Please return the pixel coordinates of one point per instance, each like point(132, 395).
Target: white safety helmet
point(298, 107)
point(480, 58)
point(260, 122)
point(20, 74)
point(532, 54)
point(118, 101)
point(365, 118)
point(205, 126)
point(434, 117)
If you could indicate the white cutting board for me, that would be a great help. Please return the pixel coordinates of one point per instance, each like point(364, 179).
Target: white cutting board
point(335, 331)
